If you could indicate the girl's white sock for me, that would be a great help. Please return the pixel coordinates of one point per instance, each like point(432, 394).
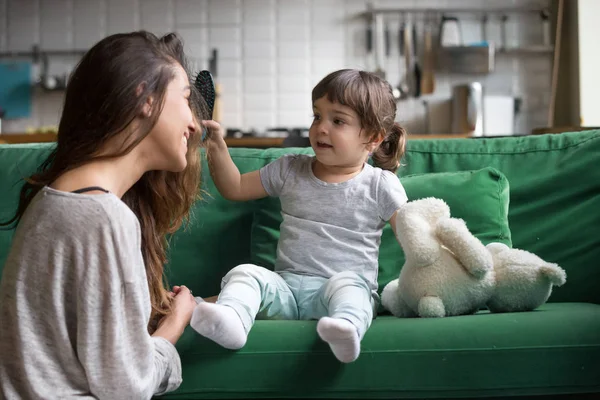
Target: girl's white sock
point(219, 323)
point(342, 337)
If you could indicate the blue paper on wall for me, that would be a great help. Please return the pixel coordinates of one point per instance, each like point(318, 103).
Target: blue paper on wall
point(15, 89)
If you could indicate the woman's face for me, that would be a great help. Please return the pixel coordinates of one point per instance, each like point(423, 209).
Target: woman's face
point(168, 139)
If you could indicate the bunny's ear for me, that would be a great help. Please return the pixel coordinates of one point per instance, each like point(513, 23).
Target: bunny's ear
point(554, 273)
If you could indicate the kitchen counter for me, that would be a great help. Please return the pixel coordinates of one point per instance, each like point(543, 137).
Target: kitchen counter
point(255, 142)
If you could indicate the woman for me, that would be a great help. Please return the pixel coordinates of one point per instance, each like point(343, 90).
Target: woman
point(83, 281)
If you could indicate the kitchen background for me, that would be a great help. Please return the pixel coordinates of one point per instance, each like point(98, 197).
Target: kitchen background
point(270, 53)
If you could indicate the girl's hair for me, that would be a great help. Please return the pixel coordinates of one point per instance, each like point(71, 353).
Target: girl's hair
point(106, 92)
point(372, 99)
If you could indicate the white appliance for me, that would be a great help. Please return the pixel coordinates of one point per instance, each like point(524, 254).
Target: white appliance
point(499, 115)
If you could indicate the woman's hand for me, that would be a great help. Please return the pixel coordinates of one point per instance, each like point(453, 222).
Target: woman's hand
point(183, 303)
point(171, 326)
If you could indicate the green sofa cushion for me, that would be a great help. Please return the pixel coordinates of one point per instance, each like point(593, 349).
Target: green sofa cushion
point(479, 197)
point(541, 352)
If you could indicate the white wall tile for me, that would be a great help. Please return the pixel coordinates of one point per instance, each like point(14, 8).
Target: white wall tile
point(123, 16)
point(62, 65)
point(293, 33)
point(259, 102)
point(89, 23)
point(229, 68)
point(294, 102)
point(157, 16)
point(231, 103)
point(355, 7)
point(196, 65)
point(294, 119)
point(260, 85)
point(293, 66)
point(23, 24)
point(231, 120)
point(293, 84)
point(356, 43)
point(259, 12)
point(259, 120)
point(231, 87)
point(293, 12)
point(328, 12)
point(259, 33)
point(326, 49)
point(227, 12)
point(191, 12)
point(258, 67)
point(56, 29)
point(293, 50)
point(195, 41)
point(228, 50)
point(330, 33)
point(3, 24)
point(259, 50)
point(227, 40)
point(225, 34)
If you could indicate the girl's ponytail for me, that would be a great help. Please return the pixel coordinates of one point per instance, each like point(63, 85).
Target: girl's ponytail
point(387, 156)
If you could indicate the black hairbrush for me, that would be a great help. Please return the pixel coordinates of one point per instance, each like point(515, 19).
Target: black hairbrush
point(206, 86)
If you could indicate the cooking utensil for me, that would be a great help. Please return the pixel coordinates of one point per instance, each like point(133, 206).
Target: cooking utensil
point(428, 78)
point(467, 109)
point(416, 65)
point(450, 32)
point(401, 91)
point(379, 46)
point(407, 84)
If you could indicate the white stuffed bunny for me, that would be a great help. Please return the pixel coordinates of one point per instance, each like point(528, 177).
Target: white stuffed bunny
point(448, 271)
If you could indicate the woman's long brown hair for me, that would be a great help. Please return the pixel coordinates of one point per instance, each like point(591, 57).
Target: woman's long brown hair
point(102, 100)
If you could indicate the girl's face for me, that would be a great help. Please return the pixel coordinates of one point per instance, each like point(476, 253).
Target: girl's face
point(168, 139)
point(336, 135)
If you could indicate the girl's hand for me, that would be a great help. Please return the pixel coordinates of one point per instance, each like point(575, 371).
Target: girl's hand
point(212, 132)
point(171, 326)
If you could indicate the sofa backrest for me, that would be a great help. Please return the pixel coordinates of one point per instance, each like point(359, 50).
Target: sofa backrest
point(554, 196)
point(554, 204)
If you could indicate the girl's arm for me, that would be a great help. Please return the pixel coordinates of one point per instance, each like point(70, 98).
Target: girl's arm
point(229, 182)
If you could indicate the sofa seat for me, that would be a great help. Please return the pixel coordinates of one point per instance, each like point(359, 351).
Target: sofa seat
point(552, 350)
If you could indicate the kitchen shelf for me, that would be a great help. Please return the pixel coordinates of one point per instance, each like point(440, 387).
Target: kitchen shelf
point(37, 53)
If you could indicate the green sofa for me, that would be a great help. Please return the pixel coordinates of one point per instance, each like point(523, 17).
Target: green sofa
point(538, 193)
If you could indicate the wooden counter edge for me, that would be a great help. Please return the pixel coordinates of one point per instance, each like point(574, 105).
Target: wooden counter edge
point(13, 138)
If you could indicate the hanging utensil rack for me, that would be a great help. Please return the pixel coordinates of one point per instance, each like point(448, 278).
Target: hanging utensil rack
point(480, 13)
